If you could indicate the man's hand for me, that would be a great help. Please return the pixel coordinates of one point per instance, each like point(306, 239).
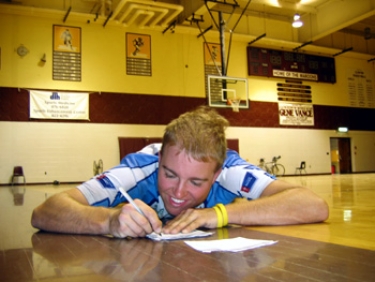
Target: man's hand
point(191, 219)
point(127, 221)
point(69, 212)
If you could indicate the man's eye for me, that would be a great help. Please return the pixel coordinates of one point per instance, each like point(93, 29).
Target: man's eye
point(196, 183)
point(169, 175)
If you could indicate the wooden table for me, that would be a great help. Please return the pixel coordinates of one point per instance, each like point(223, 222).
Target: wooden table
point(56, 257)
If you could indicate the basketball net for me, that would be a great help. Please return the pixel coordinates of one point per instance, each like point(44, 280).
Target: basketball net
point(235, 105)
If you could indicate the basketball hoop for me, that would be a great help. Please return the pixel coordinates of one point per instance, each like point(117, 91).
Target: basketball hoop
point(222, 90)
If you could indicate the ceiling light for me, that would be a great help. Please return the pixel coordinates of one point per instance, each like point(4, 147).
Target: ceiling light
point(296, 21)
point(342, 129)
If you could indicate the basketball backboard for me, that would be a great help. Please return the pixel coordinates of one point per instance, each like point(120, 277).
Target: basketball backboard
point(223, 90)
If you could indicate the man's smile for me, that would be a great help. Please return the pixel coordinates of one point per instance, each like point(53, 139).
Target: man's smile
point(178, 201)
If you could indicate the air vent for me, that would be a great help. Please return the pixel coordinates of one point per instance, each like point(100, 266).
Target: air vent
point(141, 13)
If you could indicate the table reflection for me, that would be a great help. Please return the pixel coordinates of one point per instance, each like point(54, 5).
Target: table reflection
point(104, 256)
point(58, 255)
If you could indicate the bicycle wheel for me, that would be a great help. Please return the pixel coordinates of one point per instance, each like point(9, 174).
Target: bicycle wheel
point(278, 170)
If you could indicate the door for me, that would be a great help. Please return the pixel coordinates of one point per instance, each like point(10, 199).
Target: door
point(341, 160)
point(134, 144)
point(345, 158)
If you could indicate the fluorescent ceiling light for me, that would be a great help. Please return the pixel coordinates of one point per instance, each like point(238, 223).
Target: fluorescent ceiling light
point(342, 129)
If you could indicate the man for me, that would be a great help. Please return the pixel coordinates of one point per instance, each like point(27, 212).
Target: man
point(194, 181)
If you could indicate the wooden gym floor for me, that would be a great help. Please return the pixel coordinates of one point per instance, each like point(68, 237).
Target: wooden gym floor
point(351, 198)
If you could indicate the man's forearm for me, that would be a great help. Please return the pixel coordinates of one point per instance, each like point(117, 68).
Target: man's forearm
point(63, 214)
point(292, 206)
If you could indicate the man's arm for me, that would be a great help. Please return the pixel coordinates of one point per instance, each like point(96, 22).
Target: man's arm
point(69, 212)
point(281, 203)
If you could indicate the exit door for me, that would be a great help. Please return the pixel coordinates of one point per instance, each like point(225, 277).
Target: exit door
point(341, 155)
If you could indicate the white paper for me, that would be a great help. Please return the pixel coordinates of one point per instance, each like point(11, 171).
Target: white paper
point(194, 234)
point(238, 244)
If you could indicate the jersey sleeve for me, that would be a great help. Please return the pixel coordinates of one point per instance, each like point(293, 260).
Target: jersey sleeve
point(136, 174)
point(238, 179)
point(245, 181)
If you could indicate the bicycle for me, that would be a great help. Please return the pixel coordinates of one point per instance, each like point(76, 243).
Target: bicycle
point(272, 167)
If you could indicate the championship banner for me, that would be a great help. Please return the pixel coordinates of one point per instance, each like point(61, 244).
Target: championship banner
point(59, 105)
point(296, 114)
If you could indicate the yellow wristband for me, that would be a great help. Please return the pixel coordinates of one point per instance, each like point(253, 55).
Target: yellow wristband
point(223, 213)
point(219, 217)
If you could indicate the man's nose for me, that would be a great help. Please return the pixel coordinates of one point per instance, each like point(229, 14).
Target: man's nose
point(180, 189)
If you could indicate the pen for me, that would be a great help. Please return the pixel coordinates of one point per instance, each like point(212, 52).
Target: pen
point(130, 200)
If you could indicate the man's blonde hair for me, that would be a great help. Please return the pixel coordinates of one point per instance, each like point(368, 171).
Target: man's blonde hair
point(200, 133)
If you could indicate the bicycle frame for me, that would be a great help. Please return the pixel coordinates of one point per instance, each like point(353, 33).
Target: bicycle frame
point(272, 167)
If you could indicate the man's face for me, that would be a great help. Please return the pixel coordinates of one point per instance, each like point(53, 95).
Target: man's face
point(183, 182)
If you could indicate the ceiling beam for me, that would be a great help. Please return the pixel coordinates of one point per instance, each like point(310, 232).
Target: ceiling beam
point(325, 22)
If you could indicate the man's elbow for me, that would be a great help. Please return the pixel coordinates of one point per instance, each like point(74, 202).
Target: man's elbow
point(35, 219)
point(321, 211)
point(40, 218)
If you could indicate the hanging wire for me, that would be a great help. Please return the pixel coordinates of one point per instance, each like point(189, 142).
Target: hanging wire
point(209, 50)
point(232, 30)
point(219, 26)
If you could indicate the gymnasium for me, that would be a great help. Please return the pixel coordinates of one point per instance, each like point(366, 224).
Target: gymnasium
point(85, 82)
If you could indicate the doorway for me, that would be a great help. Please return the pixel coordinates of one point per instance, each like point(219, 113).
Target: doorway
point(341, 157)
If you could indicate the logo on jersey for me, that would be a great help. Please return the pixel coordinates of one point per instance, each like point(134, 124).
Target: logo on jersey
point(104, 181)
point(248, 182)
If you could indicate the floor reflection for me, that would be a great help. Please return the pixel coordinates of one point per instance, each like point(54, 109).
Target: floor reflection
point(18, 195)
point(343, 192)
point(351, 198)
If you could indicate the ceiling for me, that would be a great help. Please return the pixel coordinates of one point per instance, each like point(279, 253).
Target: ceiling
point(330, 26)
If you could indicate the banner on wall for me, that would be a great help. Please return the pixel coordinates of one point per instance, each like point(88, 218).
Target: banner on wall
point(59, 105)
point(296, 114)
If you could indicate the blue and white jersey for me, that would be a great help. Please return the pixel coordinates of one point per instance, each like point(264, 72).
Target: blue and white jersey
point(138, 175)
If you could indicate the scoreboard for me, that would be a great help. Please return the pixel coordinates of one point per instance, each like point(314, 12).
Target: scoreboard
point(290, 65)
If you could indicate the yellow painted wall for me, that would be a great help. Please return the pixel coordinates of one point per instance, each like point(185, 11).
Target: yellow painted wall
point(177, 62)
point(175, 59)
